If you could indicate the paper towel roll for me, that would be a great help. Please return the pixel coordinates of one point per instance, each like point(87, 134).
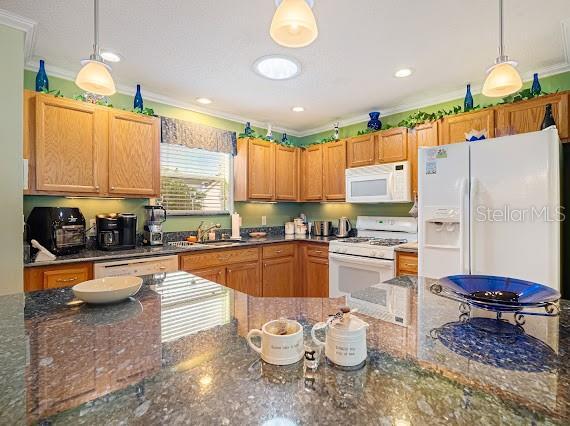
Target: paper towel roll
point(236, 222)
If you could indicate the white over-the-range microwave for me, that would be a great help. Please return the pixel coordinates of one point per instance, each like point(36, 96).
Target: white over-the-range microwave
point(382, 183)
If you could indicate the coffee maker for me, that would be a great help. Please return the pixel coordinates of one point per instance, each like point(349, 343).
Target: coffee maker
point(116, 231)
point(155, 216)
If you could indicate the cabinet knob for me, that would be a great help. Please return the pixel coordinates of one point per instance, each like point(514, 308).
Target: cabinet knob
point(97, 187)
point(278, 251)
point(112, 188)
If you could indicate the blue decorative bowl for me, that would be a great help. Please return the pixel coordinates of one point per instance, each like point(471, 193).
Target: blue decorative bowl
point(487, 289)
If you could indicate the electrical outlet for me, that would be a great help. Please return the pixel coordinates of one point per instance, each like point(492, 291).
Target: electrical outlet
point(92, 231)
point(263, 220)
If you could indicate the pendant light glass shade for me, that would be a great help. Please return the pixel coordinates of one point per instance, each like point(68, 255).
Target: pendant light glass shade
point(294, 24)
point(503, 80)
point(95, 77)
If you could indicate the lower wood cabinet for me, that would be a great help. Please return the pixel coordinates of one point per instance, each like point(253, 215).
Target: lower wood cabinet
point(406, 263)
point(56, 276)
point(244, 277)
point(279, 277)
point(315, 267)
point(216, 275)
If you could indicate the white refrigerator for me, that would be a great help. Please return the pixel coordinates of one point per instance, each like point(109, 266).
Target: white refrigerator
point(491, 208)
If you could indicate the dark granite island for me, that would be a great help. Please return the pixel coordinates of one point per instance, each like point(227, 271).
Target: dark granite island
point(176, 355)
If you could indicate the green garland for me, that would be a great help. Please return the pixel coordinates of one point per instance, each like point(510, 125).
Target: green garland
point(254, 135)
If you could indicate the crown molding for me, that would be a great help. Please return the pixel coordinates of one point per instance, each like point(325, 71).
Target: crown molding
point(28, 26)
point(126, 89)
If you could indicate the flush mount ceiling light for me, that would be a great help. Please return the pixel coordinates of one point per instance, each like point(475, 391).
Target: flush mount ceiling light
point(298, 109)
point(404, 72)
point(204, 101)
point(276, 67)
point(502, 78)
point(294, 23)
point(95, 75)
point(110, 56)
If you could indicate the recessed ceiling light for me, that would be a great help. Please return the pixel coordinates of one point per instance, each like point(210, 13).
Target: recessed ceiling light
point(404, 72)
point(277, 67)
point(204, 101)
point(298, 109)
point(110, 56)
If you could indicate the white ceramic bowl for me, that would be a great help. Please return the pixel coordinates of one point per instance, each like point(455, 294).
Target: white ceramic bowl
point(107, 290)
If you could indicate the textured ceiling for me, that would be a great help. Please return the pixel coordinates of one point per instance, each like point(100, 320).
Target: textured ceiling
point(183, 49)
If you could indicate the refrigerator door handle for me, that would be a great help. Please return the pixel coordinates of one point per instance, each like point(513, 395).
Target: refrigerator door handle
point(463, 223)
point(472, 196)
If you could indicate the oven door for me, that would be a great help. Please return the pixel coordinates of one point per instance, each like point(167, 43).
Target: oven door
point(348, 273)
point(370, 188)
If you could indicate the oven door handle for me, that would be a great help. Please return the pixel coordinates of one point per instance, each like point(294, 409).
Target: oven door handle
point(360, 260)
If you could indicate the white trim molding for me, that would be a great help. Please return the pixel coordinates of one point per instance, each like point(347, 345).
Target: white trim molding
point(28, 26)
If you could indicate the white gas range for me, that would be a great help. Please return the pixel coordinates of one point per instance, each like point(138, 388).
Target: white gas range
point(368, 260)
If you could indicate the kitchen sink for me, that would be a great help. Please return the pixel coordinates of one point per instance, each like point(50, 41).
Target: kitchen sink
point(222, 243)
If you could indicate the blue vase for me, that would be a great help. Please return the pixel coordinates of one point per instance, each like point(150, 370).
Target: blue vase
point(138, 104)
point(468, 101)
point(248, 130)
point(374, 123)
point(42, 83)
point(535, 88)
point(285, 139)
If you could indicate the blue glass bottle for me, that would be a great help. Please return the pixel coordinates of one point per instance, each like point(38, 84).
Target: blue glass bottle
point(374, 123)
point(535, 89)
point(468, 101)
point(138, 104)
point(284, 139)
point(42, 82)
point(248, 131)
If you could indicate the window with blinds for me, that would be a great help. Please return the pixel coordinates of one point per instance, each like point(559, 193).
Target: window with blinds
point(194, 181)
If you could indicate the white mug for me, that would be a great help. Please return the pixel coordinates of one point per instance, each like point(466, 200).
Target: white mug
point(279, 349)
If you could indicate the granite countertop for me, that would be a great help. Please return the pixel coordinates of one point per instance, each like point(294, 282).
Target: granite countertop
point(176, 354)
point(94, 255)
point(408, 247)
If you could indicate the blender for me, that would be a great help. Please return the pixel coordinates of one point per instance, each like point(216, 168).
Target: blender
point(155, 216)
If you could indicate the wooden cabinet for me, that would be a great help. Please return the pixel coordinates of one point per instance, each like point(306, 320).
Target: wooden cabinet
point(70, 146)
point(454, 128)
point(392, 145)
point(244, 277)
point(424, 135)
point(192, 262)
point(406, 263)
point(334, 166)
point(216, 275)
point(261, 170)
point(279, 277)
point(286, 173)
point(56, 276)
point(134, 155)
point(315, 269)
point(360, 151)
point(78, 148)
point(312, 173)
point(527, 116)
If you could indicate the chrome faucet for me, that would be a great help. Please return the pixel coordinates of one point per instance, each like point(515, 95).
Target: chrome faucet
point(203, 233)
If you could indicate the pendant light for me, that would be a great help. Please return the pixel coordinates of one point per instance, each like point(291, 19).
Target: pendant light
point(503, 79)
point(95, 76)
point(294, 24)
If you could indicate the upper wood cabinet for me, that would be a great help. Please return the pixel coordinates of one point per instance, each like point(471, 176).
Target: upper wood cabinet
point(424, 135)
point(134, 155)
point(261, 170)
point(286, 173)
point(77, 148)
point(527, 116)
point(453, 128)
point(69, 146)
point(392, 145)
point(312, 173)
point(334, 167)
point(360, 151)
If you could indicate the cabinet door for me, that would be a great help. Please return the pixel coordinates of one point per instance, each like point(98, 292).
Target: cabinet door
point(527, 116)
point(453, 128)
point(286, 173)
point(134, 154)
point(360, 151)
point(244, 277)
point(393, 145)
point(216, 275)
point(70, 142)
point(261, 170)
point(424, 135)
point(334, 167)
point(279, 277)
point(312, 170)
point(316, 279)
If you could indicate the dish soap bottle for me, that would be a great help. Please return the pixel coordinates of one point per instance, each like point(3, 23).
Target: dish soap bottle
point(548, 118)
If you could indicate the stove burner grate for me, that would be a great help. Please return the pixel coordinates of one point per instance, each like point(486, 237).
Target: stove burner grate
point(388, 242)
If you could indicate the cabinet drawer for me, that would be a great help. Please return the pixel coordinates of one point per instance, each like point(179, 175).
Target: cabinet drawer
point(278, 250)
point(189, 262)
point(318, 250)
point(56, 276)
point(65, 278)
point(407, 263)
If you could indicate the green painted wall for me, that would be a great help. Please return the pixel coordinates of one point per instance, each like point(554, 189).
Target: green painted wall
point(553, 83)
point(11, 169)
